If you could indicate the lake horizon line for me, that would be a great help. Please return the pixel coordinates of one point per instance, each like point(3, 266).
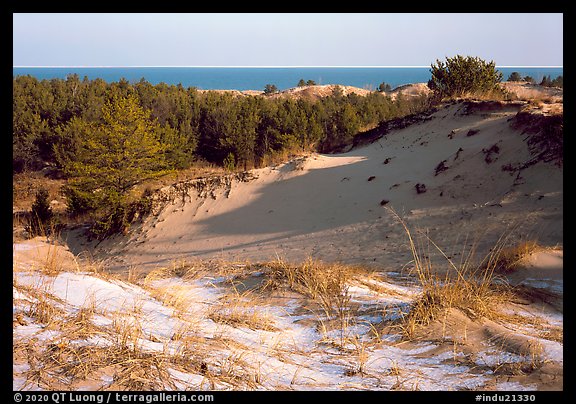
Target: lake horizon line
point(261, 67)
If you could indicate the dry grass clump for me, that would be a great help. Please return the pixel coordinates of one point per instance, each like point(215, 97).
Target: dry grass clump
point(325, 283)
point(283, 156)
point(79, 326)
point(178, 269)
point(66, 360)
point(191, 270)
point(52, 264)
point(241, 310)
point(533, 92)
point(96, 267)
point(73, 361)
point(185, 332)
point(235, 371)
point(521, 368)
point(536, 325)
point(361, 357)
point(79, 352)
point(145, 372)
point(62, 364)
point(41, 305)
point(492, 95)
point(175, 296)
point(508, 258)
point(127, 333)
point(44, 311)
point(467, 286)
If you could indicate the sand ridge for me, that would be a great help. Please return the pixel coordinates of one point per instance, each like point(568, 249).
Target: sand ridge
point(333, 207)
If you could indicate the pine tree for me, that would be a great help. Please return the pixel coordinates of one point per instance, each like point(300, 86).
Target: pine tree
point(546, 81)
point(270, 89)
point(557, 82)
point(113, 156)
point(384, 87)
point(41, 216)
point(463, 76)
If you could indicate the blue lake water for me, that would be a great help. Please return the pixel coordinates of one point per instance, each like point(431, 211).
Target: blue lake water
point(256, 78)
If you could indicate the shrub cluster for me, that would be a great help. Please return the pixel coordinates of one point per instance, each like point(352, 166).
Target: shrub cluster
point(461, 76)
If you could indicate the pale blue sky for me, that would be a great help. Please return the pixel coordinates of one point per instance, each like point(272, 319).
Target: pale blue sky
point(523, 39)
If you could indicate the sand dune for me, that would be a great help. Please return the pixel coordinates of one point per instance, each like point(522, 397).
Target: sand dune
point(315, 92)
point(528, 91)
point(333, 207)
point(520, 89)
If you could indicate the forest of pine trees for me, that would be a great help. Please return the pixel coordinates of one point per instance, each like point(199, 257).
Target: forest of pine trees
point(52, 117)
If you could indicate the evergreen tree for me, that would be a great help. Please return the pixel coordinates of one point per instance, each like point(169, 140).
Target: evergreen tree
point(240, 139)
point(384, 87)
point(558, 82)
point(460, 76)
point(270, 89)
point(514, 76)
point(41, 216)
point(546, 81)
point(528, 79)
point(113, 156)
point(53, 119)
point(301, 83)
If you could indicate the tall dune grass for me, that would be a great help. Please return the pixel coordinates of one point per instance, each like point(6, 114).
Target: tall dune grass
point(468, 286)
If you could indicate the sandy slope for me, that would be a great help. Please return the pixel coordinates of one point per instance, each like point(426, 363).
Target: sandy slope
point(329, 206)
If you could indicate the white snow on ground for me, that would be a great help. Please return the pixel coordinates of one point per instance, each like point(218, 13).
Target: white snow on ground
point(553, 351)
point(514, 386)
point(424, 373)
point(495, 358)
point(543, 314)
point(296, 354)
point(18, 382)
point(554, 285)
point(361, 293)
point(17, 295)
point(186, 380)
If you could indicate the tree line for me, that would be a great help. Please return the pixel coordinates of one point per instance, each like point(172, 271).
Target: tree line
point(51, 118)
point(546, 81)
